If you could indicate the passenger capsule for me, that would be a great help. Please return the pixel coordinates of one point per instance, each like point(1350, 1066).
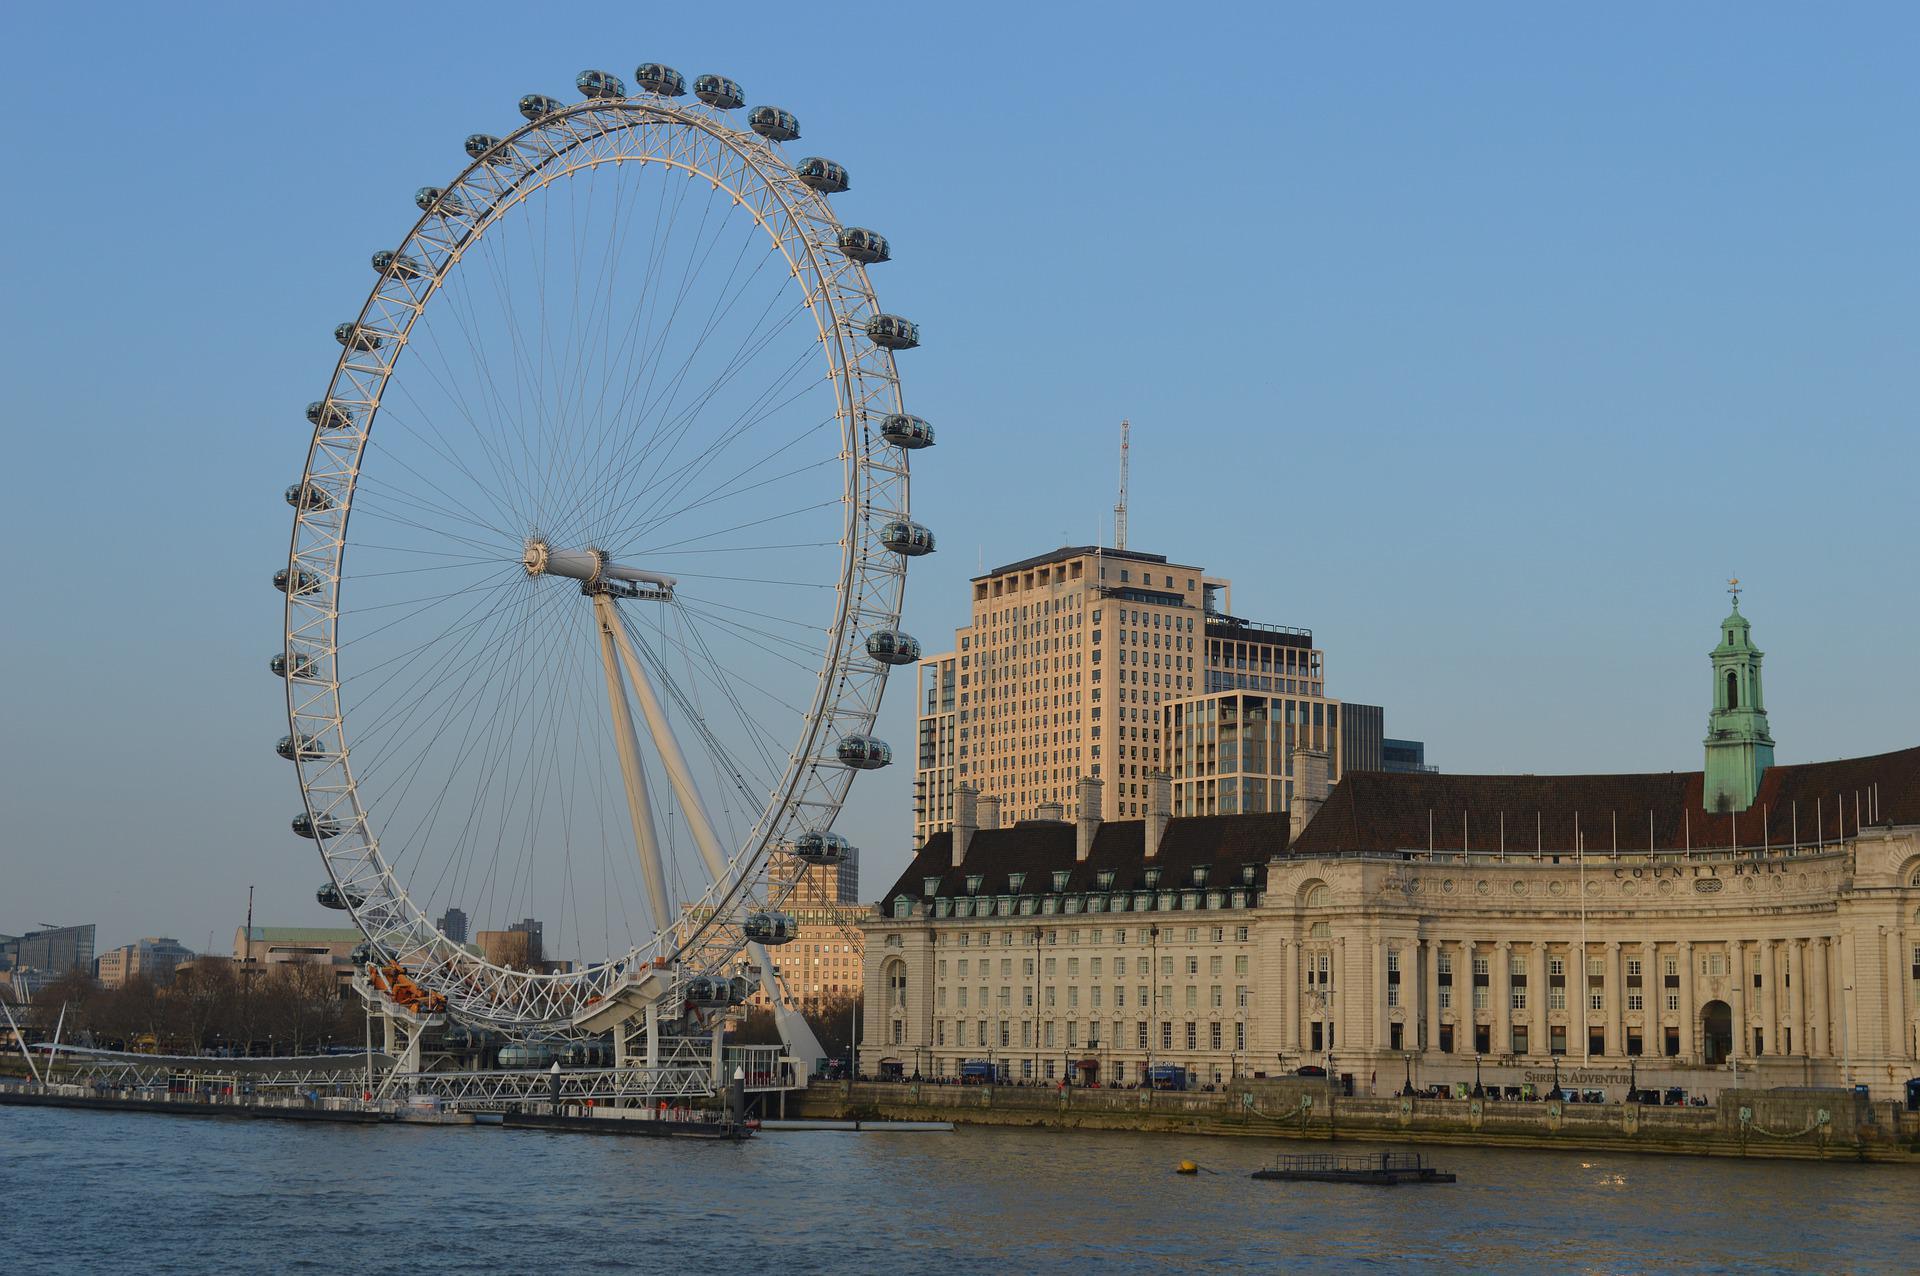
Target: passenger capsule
point(908, 539)
point(770, 928)
point(309, 748)
point(863, 752)
point(891, 647)
point(718, 90)
point(309, 496)
point(773, 123)
point(822, 846)
point(603, 84)
point(823, 175)
point(537, 106)
point(305, 826)
point(303, 666)
point(296, 582)
point(489, 149)
point(906, 431)
point(739, 988)
point(399, 265)
point(327, 416)
point(893, 332)
point(864, 246)
point(663, 80)
point(354, 337)
point(434, 199)
point(331, 896)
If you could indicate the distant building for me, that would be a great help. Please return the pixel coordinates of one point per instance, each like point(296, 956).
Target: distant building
point(53, 951)
point(154, 959)
point(822, 962)
point(1362, 737)
point(1405, 757)
point(453, 924)
point(1075, 665)
point(517, 947)
point(279, 945)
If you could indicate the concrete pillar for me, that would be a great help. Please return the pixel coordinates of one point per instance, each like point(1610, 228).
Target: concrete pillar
point(1465, 1020)
point(1343, 1008)
point(1501, 979)
point(1689, 1028)
point(1539, 1033)
point(1770, 961)
point(1848, 1036)
point(1796, 986)
point(1899, 1040)
point(1616, 1001)
point(1432, 1001)
point(1381, 1033)
point(1737, 964)
point(1294, 966)
point(1819, 1041)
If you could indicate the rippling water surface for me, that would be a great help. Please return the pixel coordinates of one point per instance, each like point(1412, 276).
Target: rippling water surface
point(85, 1192)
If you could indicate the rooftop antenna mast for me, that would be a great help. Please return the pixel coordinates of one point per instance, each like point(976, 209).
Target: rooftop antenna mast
point(1120, 506)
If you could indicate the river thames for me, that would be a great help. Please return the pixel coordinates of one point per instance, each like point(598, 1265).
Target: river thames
point(97, 1192)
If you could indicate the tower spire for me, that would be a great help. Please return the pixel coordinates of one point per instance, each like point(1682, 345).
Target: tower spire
point(1120, 506)
point(1739, 746)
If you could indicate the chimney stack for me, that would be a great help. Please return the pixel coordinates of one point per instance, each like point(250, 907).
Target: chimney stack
point(1309, 789)
point(966, 821)
point(989, 812)
point(1088, 826)
point(1050, 812)
point(1159, 809)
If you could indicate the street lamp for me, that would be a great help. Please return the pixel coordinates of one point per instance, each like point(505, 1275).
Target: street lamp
point(1407, 1090)
point(1480, 1091)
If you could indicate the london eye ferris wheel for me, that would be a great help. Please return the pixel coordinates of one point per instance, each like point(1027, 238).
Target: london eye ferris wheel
point(598, 555)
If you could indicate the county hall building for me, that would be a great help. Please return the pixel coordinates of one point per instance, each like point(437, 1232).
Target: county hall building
point(1750, 923)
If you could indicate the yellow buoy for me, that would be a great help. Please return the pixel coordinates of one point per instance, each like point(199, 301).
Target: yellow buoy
point(1186, 1167)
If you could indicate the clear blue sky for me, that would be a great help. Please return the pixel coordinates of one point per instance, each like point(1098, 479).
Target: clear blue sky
point(1485, 340)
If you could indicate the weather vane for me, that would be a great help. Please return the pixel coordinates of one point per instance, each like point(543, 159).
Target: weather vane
point(1733, 587)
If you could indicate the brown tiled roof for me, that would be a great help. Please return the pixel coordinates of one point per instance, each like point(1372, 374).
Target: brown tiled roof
point(1224, 843)
point(1373, 811)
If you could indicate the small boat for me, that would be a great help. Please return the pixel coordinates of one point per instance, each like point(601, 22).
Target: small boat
point(1377, 1169)
point(642, 1127)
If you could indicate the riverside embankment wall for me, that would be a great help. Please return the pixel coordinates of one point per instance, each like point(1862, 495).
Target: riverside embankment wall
point(1819, 1124)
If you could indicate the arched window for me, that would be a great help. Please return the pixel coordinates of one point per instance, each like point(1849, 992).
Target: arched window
point(1318, 897)
point(1733, 689)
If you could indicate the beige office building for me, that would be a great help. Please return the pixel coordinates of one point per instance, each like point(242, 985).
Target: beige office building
point(1748, 924)
point(1068, 668)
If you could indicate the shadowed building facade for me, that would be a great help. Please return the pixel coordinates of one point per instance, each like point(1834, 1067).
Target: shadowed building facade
point(1749, 920)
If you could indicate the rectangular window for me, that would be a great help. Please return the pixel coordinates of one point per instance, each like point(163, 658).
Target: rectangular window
point(1213, 1036)
point(1517, 998)
point(1480, 998)
point(1556, 965)
point(1193, 997)
point(1166, 1036)
point(1240, 965)
point(1046, 1035)
point(1480, 967)
point(1241, 997)
point(1596, 999)
point(1393, 994)
point(1673, 1001)
point(1239, 1036)
point(1141, 1036)
point(1634, 1000)
point(1596, 967)
point(1193, 1036)
point(1557, 998)
point(1446, 998)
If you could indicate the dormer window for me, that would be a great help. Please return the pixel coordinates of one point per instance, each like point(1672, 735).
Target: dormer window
point(1200, 875)
point(901, 905)
point(1060, 876)
point(1152, 878)
point(1015, 881)
point(1246, 874)
point(930, 886)
point(973, 883)
point(1104, 879)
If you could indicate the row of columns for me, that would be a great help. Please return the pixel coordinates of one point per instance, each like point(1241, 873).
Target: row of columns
point(1797, 995)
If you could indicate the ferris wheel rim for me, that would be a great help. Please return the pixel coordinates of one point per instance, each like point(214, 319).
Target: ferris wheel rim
point(869, 586)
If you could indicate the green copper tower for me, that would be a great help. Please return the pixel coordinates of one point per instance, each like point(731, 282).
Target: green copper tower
point(1739, 748)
